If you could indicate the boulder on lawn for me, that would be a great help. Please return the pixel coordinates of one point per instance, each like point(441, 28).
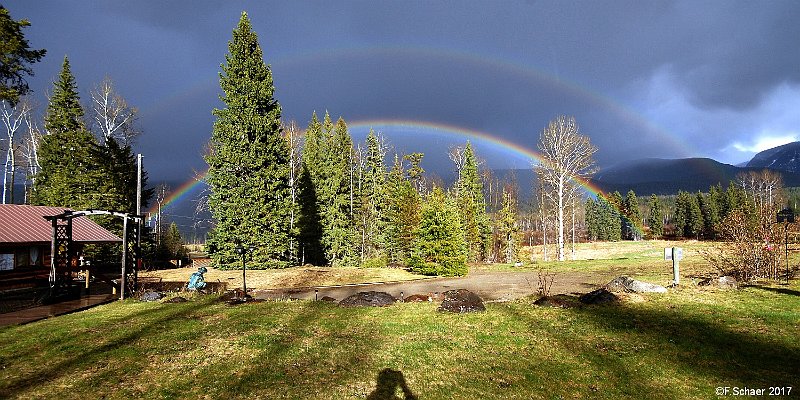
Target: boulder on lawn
point(722, 282)
point(151, 296)
point(626, 284)
point(599, 296)
point(551, 301)
point(368, 299)
point(414, 298)
point(461, 301)
point(176, 300)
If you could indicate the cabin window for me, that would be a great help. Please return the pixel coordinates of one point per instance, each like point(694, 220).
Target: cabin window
point(22, 258)
point(6, 261)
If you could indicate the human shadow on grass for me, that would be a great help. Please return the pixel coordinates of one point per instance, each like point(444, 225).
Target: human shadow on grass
point(389, 381)
point(53, 371)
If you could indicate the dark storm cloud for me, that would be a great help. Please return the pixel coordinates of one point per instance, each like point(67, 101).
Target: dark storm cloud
point(657, 79)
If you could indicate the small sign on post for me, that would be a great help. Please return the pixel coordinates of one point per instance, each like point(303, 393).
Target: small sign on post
point(675, 254)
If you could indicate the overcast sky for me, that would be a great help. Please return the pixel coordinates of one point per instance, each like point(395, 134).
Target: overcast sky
point(643, 78)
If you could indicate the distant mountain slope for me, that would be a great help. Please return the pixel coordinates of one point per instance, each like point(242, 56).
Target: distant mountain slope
point(668, 176)
point(784, 158)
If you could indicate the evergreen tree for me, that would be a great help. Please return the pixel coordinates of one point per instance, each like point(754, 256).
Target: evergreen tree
point(415, 171)
point(507, 228)
point(591, 216)
point(373, 218)
point(608, 219)
point(439, 248)
point(172, 244)
point(656, 219)
point(402, 214)
point(15, 55)
point(688, 216)
point(337, 218)
point(633, 217)
point(68, 153)
point(310, 219)
point(694, 223)
point(248, 160)
point(708, 208)
point(682, 209)
point(472, 207)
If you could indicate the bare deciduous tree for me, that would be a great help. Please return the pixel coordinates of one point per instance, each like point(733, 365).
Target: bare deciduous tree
point(293, 139)
point(566, 157)
point(13, 118)
point(765, 190)
point(30, 153)
point(113, 117)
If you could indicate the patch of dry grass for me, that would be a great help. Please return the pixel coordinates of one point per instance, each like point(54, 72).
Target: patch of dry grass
point(289, 277)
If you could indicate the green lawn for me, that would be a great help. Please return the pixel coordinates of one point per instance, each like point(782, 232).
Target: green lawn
point(680, 345)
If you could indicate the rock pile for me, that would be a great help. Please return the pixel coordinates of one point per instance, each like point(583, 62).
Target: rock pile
point(626, 284)
point(151, 296)
point(417, 298)
point(368, 299)
point(461, 301)
point(599, 296)
point(551, 301)
point(722, 282)
point(176, 300)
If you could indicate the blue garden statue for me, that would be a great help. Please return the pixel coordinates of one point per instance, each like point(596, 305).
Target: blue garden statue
point(196, 280)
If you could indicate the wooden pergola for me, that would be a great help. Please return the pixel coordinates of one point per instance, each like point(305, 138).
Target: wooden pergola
point(63, 252)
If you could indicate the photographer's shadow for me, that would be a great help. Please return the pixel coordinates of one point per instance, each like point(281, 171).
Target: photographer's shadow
point(388, 382)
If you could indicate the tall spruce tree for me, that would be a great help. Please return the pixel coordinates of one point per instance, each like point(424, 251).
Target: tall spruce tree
point(656, 219)
point(248, 160)
point(310, 218)
point(472, 207)
point(608, 219)
point(338, 229)
point(68, 152)
point(708, 207)
point(373, 199)
point(632, 217)
point(591, 219)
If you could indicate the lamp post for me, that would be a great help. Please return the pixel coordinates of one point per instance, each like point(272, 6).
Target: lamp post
point(242, 251)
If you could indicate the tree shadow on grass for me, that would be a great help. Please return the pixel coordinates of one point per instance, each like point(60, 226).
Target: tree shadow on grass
point(702, 344)
point(774, 289)
point(56, 370)
point(613, 339)
point(312, 350)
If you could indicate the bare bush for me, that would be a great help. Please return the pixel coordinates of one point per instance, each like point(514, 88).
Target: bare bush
point(749, 251)
point(545, 279)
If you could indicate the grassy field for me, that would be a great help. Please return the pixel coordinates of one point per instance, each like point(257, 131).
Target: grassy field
point(643, 260)
point(680, 345)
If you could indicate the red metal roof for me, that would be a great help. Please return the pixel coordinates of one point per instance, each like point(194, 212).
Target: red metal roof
point(26, 224)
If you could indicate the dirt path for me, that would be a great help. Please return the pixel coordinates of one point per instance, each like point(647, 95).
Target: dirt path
point(491, 286)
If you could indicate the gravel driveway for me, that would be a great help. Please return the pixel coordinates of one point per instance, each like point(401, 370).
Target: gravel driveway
point(491, 286)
